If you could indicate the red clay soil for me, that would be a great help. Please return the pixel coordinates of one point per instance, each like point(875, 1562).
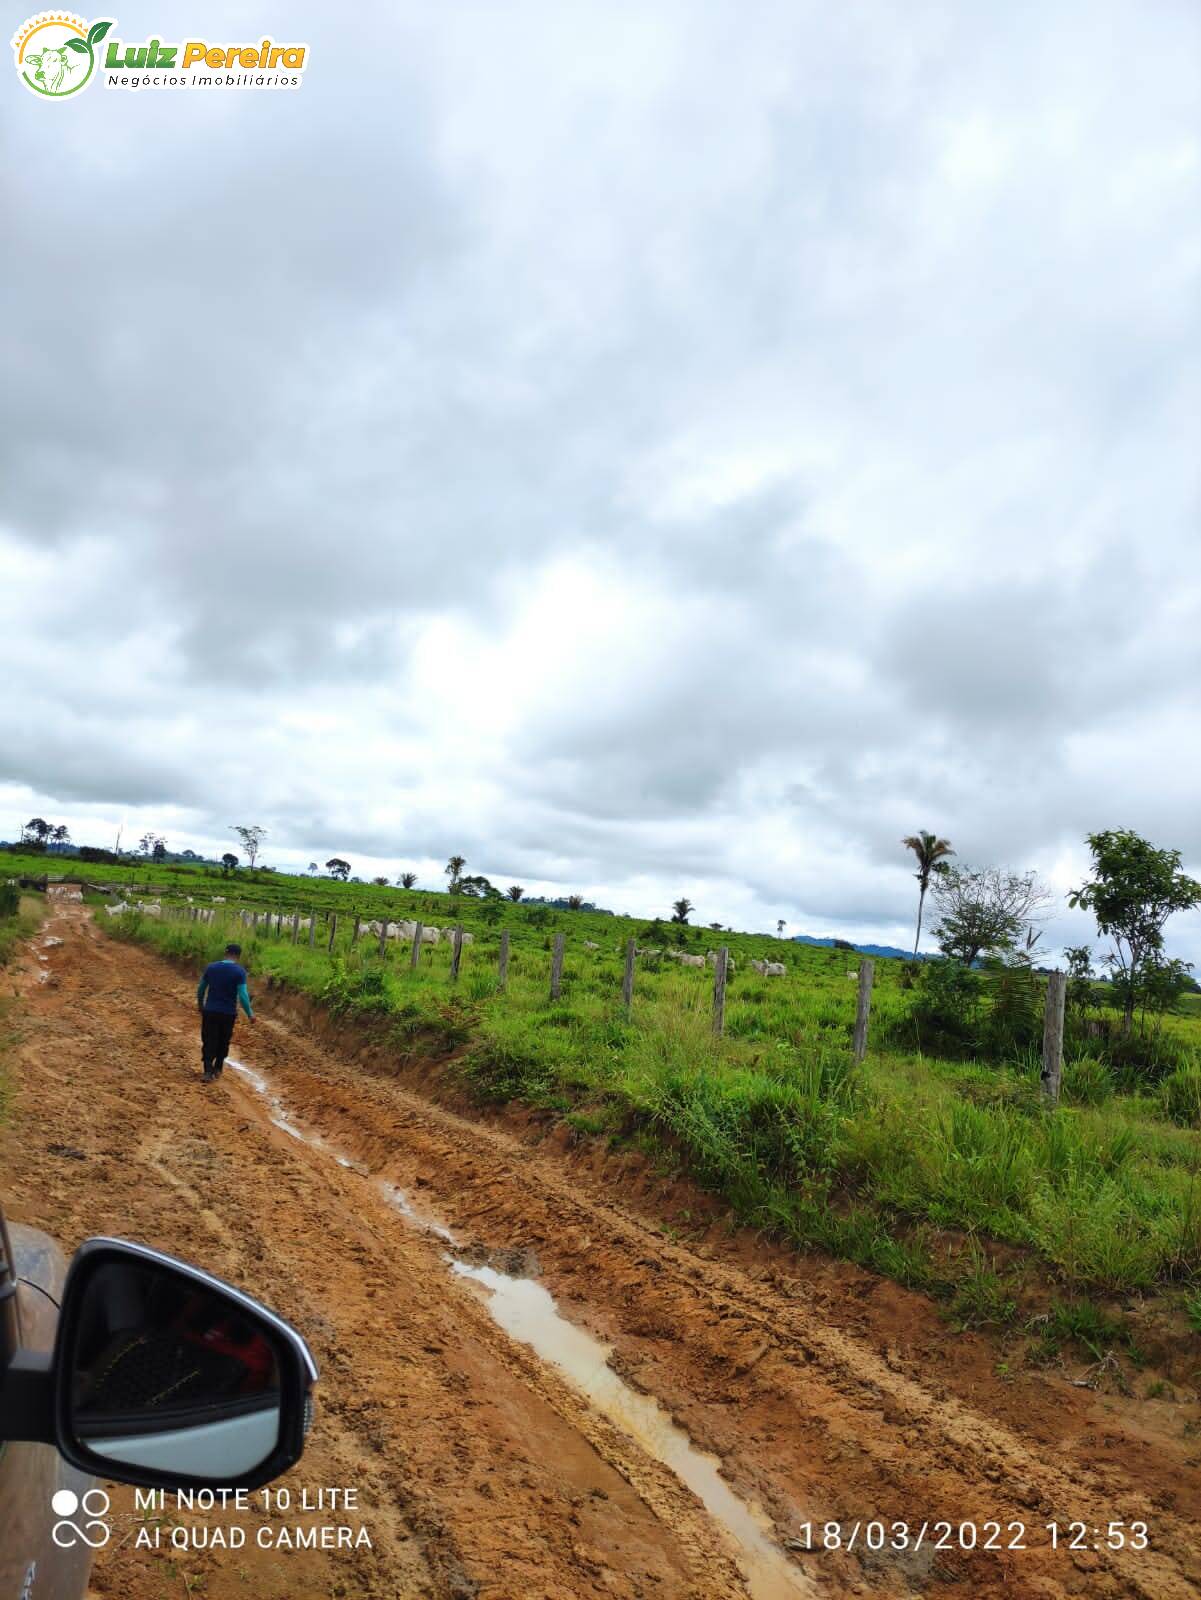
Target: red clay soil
point(828, 1396)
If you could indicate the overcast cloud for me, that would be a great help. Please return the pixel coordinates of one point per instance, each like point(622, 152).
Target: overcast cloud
point(647, 449)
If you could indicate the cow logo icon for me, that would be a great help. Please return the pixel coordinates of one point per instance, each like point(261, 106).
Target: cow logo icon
point(89, 1508)
point(56, 53)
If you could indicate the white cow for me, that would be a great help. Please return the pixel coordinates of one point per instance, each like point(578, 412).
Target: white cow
point(430, 935)
point(690, 961)
point(218, 899)
point(151, 908)
point(774, 969)
point(711, 958)
point(115, 911)
point(54, 68)
point(591, 944)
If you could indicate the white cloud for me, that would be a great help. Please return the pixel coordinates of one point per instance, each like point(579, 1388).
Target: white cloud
point(650, 453)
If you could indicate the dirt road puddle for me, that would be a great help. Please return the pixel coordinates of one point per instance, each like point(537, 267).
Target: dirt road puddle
point(527, 1312)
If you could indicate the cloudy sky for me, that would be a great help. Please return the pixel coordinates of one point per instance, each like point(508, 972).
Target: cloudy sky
point(647, 449)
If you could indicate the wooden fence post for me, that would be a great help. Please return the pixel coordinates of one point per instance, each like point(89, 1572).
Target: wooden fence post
point(354, 937)
point(312, 928)
point(1057, 984)
point(333, 931)
point(415, 952)
point(627, 982)
point(456, 955)
point(863, 1009)
point(295, 926)
point(720, 968)
point(556, 965)
point(502, 971)
point(383, 938)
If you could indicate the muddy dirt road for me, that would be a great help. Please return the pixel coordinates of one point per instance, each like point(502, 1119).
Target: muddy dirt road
point(491, 1449)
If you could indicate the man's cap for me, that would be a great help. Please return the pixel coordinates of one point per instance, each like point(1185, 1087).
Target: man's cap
point(233, 949)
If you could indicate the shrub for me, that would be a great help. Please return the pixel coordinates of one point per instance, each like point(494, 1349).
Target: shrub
point(948, 1000)
point(1180, 1096)
point(1014, 1019)
point(1087, 1082)
point(1142, 1058)
point(10, 900)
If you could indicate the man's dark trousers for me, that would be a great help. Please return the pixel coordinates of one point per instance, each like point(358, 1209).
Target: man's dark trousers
point(216, 1030)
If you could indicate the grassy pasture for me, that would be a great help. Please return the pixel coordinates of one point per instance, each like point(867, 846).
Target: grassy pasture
point(947, 1175)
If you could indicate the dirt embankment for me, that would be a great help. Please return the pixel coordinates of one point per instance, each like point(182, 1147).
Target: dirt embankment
point(480, 1468)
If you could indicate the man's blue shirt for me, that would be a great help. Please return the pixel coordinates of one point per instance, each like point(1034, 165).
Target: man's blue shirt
point(223, 985)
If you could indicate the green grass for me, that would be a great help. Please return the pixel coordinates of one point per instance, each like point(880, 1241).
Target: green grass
point(913, 1165)
point(20, 917)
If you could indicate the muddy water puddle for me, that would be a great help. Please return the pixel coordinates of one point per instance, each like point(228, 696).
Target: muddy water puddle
point(528, 1314)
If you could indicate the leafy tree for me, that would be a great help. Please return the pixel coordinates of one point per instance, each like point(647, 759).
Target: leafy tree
point(986, 910)
point(575, 902)
point(229, 862)
point(454, 872)
point(407, 880)
point(337, 868)
point(475, 887)
point(780, 925)
point(1133, 891)
point(680, 909)
point(313, 867)
point(1164, 980)
point(931, 853)
point(37, 829)
point(252, 839)
point(716, 926)
point(61, 834)
point(380, 883)
point(514, 892)
point(1079, 995)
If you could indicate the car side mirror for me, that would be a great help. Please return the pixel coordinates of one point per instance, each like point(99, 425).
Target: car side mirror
point(165, 1376)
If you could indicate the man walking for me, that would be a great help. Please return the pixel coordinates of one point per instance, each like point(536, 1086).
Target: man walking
point(221, 991)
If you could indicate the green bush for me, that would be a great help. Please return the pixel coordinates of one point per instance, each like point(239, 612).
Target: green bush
point(948, 1003)
point(10, 900)
point(1140, 1058)
point(1087, 1082)
point(1180, 1096)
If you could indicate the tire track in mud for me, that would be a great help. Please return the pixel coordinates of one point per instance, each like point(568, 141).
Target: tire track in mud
point(498, 1478)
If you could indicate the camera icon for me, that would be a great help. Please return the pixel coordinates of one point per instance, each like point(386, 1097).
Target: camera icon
point(80, 1519)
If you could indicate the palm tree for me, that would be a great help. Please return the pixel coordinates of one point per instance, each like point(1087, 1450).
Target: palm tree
point(454, 871)
point(779, 927)
point(930, 852)
point(407, 880)
point(680, 909)
point(515, 891)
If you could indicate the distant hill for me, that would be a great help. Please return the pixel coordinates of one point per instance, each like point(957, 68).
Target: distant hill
point(879, 950)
